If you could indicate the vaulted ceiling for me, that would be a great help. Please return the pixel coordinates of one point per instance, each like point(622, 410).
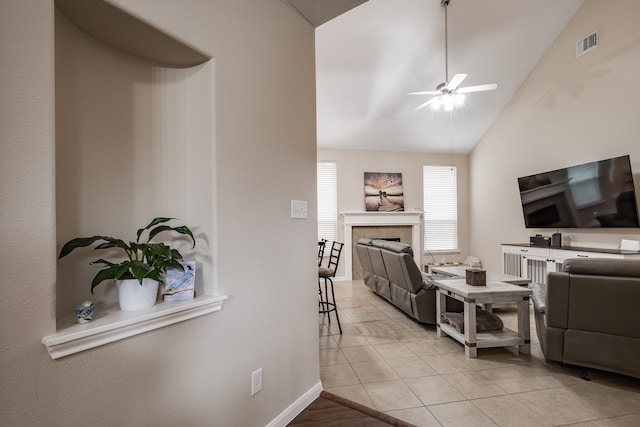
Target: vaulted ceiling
point(372, 53)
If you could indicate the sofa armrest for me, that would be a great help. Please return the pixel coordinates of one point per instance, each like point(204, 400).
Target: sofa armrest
point(539, 296)
point(557, 300)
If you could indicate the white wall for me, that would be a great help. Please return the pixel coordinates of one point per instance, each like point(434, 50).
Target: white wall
point(263, 133)
point(569, 111)
point(352, 164)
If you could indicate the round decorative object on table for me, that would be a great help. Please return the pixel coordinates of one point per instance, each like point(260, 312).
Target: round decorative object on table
point(84, 312)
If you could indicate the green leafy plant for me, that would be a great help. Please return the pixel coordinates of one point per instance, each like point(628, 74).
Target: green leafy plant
point(144, 259)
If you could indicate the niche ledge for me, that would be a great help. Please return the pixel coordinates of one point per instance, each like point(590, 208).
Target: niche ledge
point(122, 30)
point(111, 324)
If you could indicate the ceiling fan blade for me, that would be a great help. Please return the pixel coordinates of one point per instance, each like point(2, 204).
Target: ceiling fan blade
point(479, 88)
point(426, 104)
point(455, 81)
point(429, 92)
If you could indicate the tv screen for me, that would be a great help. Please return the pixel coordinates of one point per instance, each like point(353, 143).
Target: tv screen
point(596, 194)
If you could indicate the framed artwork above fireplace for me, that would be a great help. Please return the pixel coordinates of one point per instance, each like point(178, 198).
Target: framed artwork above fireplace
point(383, 192)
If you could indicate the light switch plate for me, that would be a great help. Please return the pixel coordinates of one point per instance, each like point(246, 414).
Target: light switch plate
point(299, 209)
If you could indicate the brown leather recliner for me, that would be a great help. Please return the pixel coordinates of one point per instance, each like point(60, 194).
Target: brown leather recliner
point(587, 315)
point(390, 271)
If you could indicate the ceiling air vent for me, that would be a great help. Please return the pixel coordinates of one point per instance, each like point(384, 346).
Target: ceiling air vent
point(587, 43)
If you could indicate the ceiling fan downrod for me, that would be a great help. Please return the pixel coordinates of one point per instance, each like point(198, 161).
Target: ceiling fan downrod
point(445, 3)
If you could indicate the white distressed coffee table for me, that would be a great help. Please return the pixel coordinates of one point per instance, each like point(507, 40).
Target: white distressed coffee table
point(494, 292)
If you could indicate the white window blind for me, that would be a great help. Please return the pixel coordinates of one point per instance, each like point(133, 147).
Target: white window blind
point(440, 208)
point(327, 201)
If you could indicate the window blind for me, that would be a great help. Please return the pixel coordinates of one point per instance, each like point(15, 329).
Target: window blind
point(327, 201)
point(440, 208)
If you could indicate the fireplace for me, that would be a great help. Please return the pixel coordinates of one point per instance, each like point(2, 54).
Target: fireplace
point(405, 226)
point(393, 233)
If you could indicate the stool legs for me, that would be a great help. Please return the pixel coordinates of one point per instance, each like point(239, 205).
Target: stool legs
point(325, 305)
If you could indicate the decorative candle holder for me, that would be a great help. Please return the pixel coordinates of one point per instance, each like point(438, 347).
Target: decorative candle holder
point(84, 312)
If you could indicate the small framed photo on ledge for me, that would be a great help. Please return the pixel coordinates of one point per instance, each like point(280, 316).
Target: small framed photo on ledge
point(180, 285)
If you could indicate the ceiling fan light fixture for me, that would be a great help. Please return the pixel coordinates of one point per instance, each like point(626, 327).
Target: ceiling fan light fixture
point(448, 102)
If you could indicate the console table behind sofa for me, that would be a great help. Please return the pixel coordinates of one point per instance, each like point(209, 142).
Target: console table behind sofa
point(534, 262)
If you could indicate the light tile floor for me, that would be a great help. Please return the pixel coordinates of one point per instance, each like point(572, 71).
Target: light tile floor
point(387, 361)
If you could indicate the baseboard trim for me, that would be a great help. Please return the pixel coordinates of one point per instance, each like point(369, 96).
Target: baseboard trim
point(296, 407)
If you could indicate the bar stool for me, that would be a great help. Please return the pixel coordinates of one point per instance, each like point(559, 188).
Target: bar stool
point(322, 244)
point(326, 302)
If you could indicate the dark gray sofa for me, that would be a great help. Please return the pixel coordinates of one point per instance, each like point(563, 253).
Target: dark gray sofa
point(588, 315)
point(390, 271)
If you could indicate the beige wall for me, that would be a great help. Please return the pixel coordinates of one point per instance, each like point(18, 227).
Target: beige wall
point(569, 111)
point(133, 140)
point(352, 164)
point(262, 134)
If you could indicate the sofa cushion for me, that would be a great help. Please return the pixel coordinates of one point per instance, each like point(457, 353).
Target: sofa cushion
point(325, 272)
point(604, 304)
point(375, 255)
point(402, 270)
point(363, 255)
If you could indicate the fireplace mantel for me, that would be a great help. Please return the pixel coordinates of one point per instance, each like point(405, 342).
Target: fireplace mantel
point(363, 219)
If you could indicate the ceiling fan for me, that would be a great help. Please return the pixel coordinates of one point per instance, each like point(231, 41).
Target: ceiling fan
point(449, 93)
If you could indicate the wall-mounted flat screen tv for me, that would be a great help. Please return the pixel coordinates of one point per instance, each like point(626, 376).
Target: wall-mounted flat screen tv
point(596, 194)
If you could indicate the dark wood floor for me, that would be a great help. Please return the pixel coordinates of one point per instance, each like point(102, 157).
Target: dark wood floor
point(331, 410)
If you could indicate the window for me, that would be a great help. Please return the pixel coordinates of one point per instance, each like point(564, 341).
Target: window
point(440, 208)
point(327, 201)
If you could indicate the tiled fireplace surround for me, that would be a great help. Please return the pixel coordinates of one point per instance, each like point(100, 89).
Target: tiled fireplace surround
point(403, 225)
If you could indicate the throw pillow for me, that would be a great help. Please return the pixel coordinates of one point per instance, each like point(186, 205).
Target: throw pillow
point(485, 321)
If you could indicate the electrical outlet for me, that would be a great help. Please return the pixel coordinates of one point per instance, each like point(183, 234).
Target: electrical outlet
point(256, 381)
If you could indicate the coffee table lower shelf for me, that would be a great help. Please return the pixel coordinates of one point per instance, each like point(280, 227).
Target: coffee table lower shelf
point(504, 338)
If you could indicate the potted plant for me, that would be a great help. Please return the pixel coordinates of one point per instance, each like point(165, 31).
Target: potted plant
point(138, 276)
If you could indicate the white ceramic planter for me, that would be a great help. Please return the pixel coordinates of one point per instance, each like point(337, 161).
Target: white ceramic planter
point(133, 296)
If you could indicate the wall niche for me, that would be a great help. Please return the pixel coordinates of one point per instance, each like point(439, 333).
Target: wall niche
point(134, 140)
